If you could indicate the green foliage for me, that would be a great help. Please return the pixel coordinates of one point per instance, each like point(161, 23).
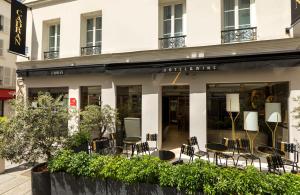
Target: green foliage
point(100, 118)
point(34, 133)
point(78, 138)
point(197, 176)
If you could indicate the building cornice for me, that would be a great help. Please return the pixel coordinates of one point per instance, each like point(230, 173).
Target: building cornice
point(43, 3)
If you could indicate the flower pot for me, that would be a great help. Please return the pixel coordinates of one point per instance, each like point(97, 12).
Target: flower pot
point(81, 148)
point(40, 180)
point(2, 165)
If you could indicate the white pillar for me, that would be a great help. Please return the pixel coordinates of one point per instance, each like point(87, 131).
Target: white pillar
point(108, 93)
point(74, 93)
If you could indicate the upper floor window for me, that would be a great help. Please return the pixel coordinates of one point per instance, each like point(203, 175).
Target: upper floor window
point(53, 42)
point(1, 23)
point(173, 26)
point(237, 24)
point(1, 47)
point(93, 36)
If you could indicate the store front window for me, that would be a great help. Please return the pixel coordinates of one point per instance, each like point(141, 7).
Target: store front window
point(252, 97)
point(55, 92)
point(1, 108)
point(90, 95)
point(129, 103)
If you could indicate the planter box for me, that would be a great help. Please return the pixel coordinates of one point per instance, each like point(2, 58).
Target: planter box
point(40, 181)
point(65, 184)
point(2, 165)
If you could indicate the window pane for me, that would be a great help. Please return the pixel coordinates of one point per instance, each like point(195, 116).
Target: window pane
point(58, 29)
point(58, 42)
point(244, 4)
point(244, 17)
point(178, 11)
point(228, 5)
point(89, 37)
point(167, 27)
point(89, 24)
point(178, 27)
point(98, 35)
point(90, 96)
point(228, 20)
point(52, 30)
point(99, 23)
point(167, 12)
point(51, 42)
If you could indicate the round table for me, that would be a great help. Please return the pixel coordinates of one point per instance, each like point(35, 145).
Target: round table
point(164, 155)
point(267, 150)
point(131, 141)
point(216, 149)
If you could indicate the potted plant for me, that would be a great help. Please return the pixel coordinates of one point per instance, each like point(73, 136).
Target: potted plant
point(34, 133)
point(100, 119)
point(79, 141)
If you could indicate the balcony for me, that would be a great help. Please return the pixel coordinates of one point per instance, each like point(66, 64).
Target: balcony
point(91, 50)
point(172, 42)
point(239, 35)
point(51, 55)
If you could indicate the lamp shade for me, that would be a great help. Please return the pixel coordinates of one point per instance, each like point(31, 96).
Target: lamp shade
point(233, 102)
point(273, 112)
point(251, 121)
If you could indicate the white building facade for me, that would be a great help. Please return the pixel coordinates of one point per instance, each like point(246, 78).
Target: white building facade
point(7, 61)
point(170, 62)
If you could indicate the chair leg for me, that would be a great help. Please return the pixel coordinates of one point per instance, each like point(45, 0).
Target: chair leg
point(237, 161)
point(259, 164)
point(226, 161)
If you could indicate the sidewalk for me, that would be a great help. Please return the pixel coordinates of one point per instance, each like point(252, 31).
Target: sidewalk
point(16, 180)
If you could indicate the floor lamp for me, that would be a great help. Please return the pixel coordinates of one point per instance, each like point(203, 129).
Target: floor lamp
point(233, 105)
point(251, 124)
point(273, 115)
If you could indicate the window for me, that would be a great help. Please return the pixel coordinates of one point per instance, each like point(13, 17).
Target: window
point(54, 37)
point(236, 14)
point(90, 96)
point(1, 47)
point(55, 92)
point(1, 108)
point(173, 26)
point(1, 23)
point(93, 36)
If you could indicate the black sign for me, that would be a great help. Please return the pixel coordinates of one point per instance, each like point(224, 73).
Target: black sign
point(295, 10)
point(17, 41)
point(188, 68)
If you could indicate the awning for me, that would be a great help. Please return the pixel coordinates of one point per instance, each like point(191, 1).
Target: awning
point(6, 94)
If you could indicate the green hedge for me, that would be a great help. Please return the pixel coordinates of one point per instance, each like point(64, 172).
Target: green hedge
point(199, 175)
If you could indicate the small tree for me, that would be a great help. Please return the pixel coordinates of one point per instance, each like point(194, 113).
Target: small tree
point(100, 118)
point(35, 132)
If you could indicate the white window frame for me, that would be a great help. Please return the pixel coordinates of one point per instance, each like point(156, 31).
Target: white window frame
point(94, 32)
point(173, 4)
point(236, 14)
point(56, 35)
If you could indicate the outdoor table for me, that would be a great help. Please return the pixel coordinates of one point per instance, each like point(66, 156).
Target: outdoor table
point(267, 150)
point(164, 155)
point(131, 141)
point(216, 149)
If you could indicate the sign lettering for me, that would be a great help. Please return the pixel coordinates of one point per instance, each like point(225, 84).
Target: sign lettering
point(189, 68)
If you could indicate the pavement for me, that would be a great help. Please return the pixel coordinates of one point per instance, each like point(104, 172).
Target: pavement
point(16, 180)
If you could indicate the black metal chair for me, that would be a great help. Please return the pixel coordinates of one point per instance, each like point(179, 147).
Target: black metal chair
point(199, 153)
point(113, 148)
point(244, 151)
point(187, 150)
point(291, 150)
point(142, 148)
point(152, 138)
point(275, 164)
point(229, 154)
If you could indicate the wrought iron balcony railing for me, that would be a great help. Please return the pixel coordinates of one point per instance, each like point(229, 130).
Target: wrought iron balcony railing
point(239, 35)
point(172, 42)
point(91, 50)
point(51, 55)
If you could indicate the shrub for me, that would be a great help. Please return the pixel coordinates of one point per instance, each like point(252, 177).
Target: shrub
point(78, 138)
point(197, 176)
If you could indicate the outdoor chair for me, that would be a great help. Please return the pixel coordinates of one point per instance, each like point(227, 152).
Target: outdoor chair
point(199, 153)
point(113, 148)
point(142, 148)
point(291, 150)
point(151, 139)
point(229, 154)
point(275, 164)
point(244, 151)
point(187, 150)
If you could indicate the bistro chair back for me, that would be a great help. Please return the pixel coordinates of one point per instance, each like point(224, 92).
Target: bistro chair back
point(230, 143)
point(243, 145)
point(290, 149)
point(193, 141)
point(150, 138)
point(143, 148)
point(186, 150)
point(275, 164)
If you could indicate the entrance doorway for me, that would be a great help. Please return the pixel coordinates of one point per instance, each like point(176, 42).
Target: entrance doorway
point(175, 116)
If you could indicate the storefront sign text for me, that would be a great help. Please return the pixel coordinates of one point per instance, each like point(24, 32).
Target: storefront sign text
point(190, 68)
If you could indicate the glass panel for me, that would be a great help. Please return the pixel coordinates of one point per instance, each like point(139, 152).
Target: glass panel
point(228, 5)
point(90, 24)
point(167, 28)
point(167, 12)
point(51, 42)
point(178, 11)
point(58, 43)
point(54, 92)
point(129, 102)
point(244, 4)
point(99, 23)
point(244, 18)
point(89, 37)
point(229, 20)
point(90, 96)
point(1, 107)
point(98, 35)
point(52, 30)
point(178, 27)
point(58, 29)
